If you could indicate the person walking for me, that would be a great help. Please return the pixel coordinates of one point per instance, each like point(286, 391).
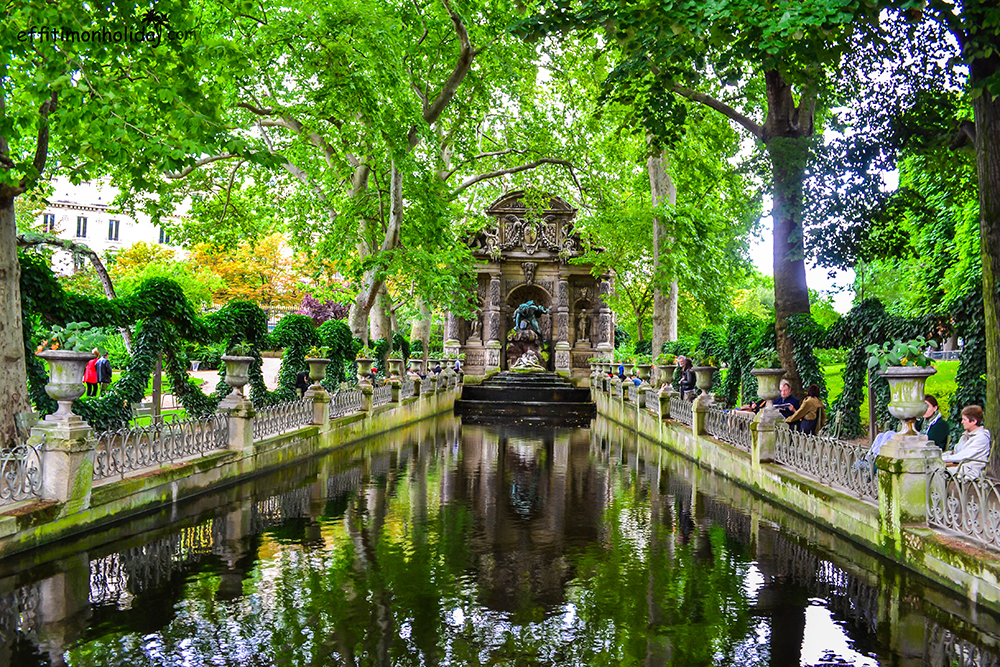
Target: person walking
point(90, 374)
point(103, 368)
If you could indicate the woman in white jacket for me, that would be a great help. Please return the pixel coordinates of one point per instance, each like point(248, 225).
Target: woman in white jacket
point(972, 452)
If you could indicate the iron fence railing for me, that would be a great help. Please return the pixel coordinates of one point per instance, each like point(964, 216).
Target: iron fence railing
point(126, 450)
point(20, 474)
point(287, 416)
point(834, 462)
point(633, 393)
point(407, 389)
point(382, 395)
point(345, 402)
point(681, 410)
point(730, 426)
point(970, 506)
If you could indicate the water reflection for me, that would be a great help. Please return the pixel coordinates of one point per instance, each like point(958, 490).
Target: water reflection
point(480, 545)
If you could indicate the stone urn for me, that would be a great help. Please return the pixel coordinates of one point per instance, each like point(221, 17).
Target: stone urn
point(65, 379)
point(768, 383)
point(433, 363)
point(416, 365)
point(395, 367)
point(703, 378)
point(906, 392)
point(364, 369)
point(237, 371)
point(666, 374)
point(317, 369)
point(645, 372)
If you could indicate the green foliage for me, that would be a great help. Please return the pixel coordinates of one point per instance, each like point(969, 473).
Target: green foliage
point(336, 337)
point(767, 358)
point(683, 346)
point(401, 345)
point(75, 337)
point(898, 353)
point(622, 337)
point(296, 334)
point(807, 335)
point(118, 356)
point(417, 347)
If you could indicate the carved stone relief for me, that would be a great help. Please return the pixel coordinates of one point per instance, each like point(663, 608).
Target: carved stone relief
point(529, 272)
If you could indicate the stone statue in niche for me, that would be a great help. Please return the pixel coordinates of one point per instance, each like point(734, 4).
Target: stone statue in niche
point(529, 272)
point(474, 331)
point(582, 325)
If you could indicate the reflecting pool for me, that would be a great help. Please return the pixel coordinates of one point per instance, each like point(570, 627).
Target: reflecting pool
point(478, 545)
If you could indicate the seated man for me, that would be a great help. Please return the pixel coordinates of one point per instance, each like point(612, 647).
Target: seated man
point(786, 403)
point(972, 452)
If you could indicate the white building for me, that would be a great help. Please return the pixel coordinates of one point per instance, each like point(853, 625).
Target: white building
point(81, 213)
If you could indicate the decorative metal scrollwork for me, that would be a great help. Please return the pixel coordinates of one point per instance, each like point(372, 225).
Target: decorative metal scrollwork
point(346, 402)
point(834, 462)
point(681, 410)
point(20, 474)
point(730, 426)
point(970, 506)
point(282, 417)
point(129, 449)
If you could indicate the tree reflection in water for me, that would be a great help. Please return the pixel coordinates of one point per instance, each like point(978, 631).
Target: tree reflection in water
point(483, 547)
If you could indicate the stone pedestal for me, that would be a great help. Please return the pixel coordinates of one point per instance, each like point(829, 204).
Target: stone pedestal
point(321, 402)
point(903, 465)
point(66, 450)
point(366, 396)
point(395, 385)
point(493, 354)
point(664, 396)
point(563, 357)
point(240, 413)
point(764, 439)
point(417, 383)
point(700, 408)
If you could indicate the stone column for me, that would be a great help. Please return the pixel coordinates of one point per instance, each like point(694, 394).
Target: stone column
point(240, 413)
point(366, 396)
point(665, 395)
point(321, 405)
point(903, 464)
point(66, 451)
point(700, 409)
point(605, 335)
point(764, 439)
point(563, 360)
point(451, 343)
point(492, 324)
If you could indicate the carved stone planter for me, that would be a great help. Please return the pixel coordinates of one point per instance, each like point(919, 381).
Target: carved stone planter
point(906, 391)
point(65, 379)
point(416, 366)
point(768, 383)
point(237, 371)
point(317, 369)
point(703, 378)
point(395, 367)
point(645, 372)
point(666, 374)
point(364, 369)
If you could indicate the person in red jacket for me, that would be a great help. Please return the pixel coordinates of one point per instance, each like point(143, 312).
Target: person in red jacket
point(90, 374)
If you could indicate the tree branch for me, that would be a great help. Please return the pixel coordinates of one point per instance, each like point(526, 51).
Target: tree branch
point(269, 111)
point(513, 170)
point(200, 163)
point(509, 151)
point(42, 147)
point(748, 123)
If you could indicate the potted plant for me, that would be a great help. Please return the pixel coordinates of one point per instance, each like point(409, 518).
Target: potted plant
point(317, 360)
point(68, 350)
point(365, 358)
point(704, 369)
point(644, 367)
point(395, 367)
point(238, 359)
point(416, 365)
point(768, 371)
point(905, 366)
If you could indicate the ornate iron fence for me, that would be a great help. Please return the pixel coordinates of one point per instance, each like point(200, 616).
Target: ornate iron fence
point(834, 462)
point(382, 395)
point(944, 648)
point(129, 449)
point(729, 426)
point(18, 614)
point(275, 510)
point(681, 410)
point(282, 417)
point(20, 474)
point(970, 506)
point(346, 402)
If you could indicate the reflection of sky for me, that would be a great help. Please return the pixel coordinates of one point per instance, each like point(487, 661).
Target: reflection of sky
point(825, 641)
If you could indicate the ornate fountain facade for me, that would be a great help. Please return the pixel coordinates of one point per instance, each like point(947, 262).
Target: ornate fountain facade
point(525, 254)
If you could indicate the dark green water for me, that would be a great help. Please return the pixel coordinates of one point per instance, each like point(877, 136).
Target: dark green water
point(451, 545)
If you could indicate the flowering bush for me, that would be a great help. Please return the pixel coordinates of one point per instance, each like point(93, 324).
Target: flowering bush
point(321, 311)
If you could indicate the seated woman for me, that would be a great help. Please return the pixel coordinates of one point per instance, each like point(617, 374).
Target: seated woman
point(811, 413)
point(972, 452)
point(786, 403)
point(932, 425)
point(688, 378)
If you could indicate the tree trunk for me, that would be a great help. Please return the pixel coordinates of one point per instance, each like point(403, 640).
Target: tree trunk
point(786, 134)
point(421, 327)
point(663, 191)
point(986, 109)
point(13, 371)
point(381, 325)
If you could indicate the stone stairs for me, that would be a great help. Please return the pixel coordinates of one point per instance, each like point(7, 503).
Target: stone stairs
point(514, 397)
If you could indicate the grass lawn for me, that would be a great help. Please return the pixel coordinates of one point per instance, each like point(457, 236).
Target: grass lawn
point(941, 385)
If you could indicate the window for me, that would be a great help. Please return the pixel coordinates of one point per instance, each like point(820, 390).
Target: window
point(164, 236)
point(112, 230)
point(79, 262)
point(48, 223)
point(81, 228)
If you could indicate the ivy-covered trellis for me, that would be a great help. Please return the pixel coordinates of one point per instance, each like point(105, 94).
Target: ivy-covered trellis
point(164, 320)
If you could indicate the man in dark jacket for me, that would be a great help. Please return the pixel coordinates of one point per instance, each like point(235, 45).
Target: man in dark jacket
point(786, 403)
point(103, 368)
